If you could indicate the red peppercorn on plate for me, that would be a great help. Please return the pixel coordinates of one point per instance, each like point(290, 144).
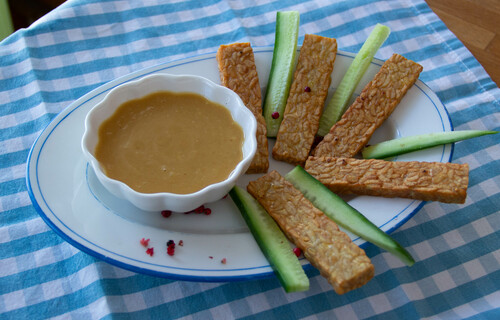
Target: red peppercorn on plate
point(212, 243)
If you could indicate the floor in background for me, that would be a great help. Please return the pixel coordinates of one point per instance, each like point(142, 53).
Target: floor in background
point(475, 23)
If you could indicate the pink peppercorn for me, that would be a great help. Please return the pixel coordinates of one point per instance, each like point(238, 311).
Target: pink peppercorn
point(297, 251)
point(275, 115)
point(223, 261)
point(200, 209)
point(207, 211)
point(166, 213)
point(144, 242)
point(307, 89)
point(170, 251)
point(170, 247)
point(150, 251)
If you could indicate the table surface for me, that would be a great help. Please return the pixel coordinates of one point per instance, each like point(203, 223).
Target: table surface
point(473, 22)
point(82, 45)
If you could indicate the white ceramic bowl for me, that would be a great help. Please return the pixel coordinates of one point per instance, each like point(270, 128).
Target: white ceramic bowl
point(175, 83)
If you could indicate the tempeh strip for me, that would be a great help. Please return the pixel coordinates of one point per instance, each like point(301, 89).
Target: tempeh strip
point(331, 251)
point(428, 181)
point(373, 106)
point(239, 73)
point(306, 99)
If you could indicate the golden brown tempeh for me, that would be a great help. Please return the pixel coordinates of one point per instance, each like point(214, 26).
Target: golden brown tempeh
point(304, 106)
point(374, 105)
point(239, 73)
point(429, 181)
point(340, 261)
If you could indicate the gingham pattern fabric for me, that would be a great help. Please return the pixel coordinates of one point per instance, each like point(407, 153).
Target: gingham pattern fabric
point(84, 44)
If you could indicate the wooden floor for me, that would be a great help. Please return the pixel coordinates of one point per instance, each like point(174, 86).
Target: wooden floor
point(477, 24)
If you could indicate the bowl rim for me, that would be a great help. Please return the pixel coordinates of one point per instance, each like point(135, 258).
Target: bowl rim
point(134, 196)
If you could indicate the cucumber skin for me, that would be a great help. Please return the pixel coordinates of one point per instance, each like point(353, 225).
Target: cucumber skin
point(343, 214)
point(404, 145)
point(283, 61)
point(342, 95)
point(285, 264)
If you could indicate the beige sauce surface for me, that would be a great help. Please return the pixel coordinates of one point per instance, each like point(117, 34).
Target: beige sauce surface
point(169, 142)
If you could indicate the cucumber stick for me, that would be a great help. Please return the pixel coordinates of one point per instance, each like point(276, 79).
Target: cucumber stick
point(403, 145)
point(280, 76)
point(342, 95)
point(272, 241)
point(343, 214)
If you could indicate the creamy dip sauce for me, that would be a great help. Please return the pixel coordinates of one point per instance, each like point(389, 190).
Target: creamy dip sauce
point(169, 142)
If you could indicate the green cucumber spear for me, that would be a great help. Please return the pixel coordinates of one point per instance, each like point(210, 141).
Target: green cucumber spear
point(340, 99)
point(280, 76)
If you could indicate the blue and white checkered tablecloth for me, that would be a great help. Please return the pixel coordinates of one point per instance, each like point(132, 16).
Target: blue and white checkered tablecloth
point(86, 43)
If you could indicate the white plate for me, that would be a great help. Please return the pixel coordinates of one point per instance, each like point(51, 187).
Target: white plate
point(69, 198)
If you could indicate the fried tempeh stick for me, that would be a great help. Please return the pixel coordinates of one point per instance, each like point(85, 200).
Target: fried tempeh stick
point(428, 181)
point(239, 73)
point(374, 105)
point(306, 99)
point(331, 251)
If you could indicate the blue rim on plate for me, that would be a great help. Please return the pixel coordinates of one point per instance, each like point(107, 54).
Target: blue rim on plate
point(39, 202)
